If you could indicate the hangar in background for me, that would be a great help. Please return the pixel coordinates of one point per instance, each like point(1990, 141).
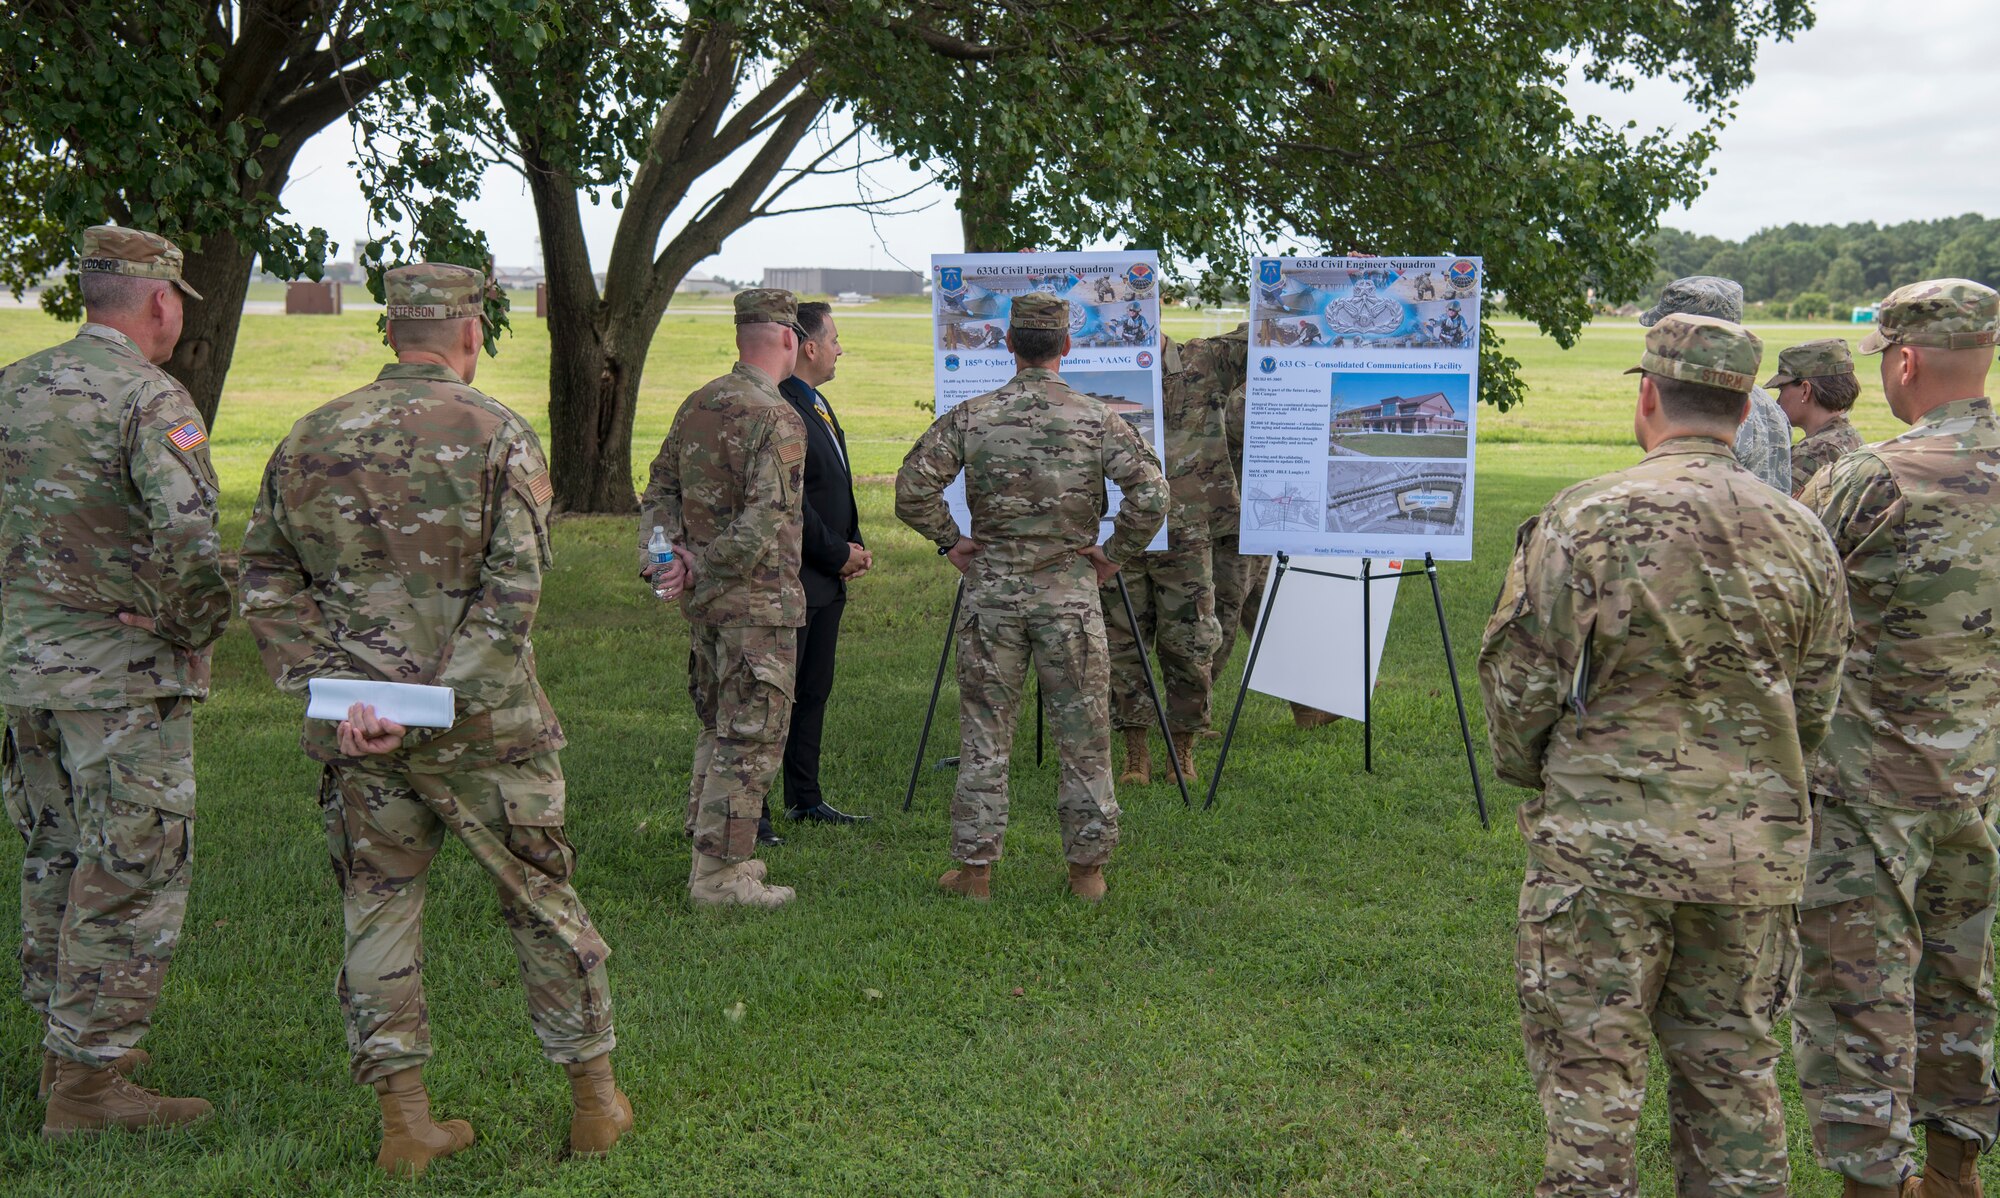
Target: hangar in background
point(819, 280)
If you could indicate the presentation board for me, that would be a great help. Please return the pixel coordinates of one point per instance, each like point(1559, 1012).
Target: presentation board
point(1360, 409)
point(1114, 322)
point(1312, 633)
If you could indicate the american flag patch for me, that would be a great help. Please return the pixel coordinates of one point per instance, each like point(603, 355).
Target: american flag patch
point(541, 488)
point(791, 451)
point(187, 436)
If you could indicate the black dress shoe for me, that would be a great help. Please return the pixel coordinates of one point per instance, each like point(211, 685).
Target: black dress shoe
point(766, 837)
point(824, 813)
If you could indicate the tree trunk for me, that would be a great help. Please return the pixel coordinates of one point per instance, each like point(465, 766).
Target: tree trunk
point(594, 361)
point(593, 394)
point(221, 272)
point(982, 214)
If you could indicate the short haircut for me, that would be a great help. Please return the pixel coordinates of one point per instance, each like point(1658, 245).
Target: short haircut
point(1037, 345)
point(813, 317)
point(1698, 403)
point(1835, 392)
point(106, 292)
point(428, 336)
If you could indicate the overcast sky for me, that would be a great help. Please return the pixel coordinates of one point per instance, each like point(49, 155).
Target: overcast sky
point(1881, 112)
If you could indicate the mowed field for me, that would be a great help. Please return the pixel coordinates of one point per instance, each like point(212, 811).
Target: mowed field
point(1305, 991)
point(1402, 445)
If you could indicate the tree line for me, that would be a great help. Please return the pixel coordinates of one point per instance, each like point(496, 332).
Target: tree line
point(1809, 271)
point(1205, 129)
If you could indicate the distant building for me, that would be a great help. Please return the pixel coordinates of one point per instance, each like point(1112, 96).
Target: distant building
point(817, 280)
point(1423, 414)
point(700, 283)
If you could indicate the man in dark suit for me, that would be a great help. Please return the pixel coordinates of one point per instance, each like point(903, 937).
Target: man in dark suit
point(832, 554)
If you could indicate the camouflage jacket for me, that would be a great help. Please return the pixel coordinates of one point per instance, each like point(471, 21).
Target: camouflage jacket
point(1035, 456)
point(1764, 441)
point(1195, 404)
point(1917, 519)
point(401, 534)
point(1665, 652)
point(1233, 425)
point(107, 505)
point(726, 487)
point(1835, 439)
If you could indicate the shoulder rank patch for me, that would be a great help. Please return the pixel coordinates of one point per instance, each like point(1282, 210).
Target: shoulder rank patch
point(541, 488)
point(187, 435)
point(791, 451)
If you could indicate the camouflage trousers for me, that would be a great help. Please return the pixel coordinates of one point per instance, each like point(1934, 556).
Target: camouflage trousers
point(105, 803)
point(1603, 976)
point(383, 828)
point(1173, 596)
point(741, 681)
point(1069, 657)
point(1234, 575)
point(1895, 1020)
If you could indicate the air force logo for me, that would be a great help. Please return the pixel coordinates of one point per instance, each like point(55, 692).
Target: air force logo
point(1267, 272)
point(951, 361)
point(1268, 364)
point(1462, 274)
point(1140, 276)
point(951, 278)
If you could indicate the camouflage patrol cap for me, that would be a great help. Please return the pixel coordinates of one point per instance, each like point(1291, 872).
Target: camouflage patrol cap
point(1039, 310)
point(768, 305)
point(1698, 295)
point(434, 291)
point(1937, 314)
point(1702, 349)
point(112, 250)
point(1813, 360)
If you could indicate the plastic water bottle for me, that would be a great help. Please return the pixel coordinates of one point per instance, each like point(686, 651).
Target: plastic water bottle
point(661, 552)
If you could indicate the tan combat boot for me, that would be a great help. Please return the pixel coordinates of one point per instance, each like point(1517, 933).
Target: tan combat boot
point(87, 1099)
point(1951, 1166)
point(134, 1060)
point(1311, 717)
point(973, 881)
point(411, 1140)
point(713, 882)
point(1184, 753)
point(603, 1113)
point(1138, 759)
point(1087, 882)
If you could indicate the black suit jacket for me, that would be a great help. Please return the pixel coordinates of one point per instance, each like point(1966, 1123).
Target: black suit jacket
point(831, 518)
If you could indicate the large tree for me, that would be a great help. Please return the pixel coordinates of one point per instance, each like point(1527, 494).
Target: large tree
point(697, 121)
point(1329, 126)
point(1204, 128)
point(186, 117)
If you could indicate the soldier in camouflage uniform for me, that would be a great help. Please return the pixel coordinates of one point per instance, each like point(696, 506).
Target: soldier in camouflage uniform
point(726, 488)
point(1896, 1014)
point(1035, 456)
point(1764, 440)
point(1232, 570)
point(1667, 738)
point(1815, 387)
point(1173, 589)
point(110, 595)
point(437, 585)
point(1239, 579)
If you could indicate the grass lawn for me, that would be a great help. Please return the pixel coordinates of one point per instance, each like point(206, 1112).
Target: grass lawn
point(1307, 991)
point(1403, 445)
